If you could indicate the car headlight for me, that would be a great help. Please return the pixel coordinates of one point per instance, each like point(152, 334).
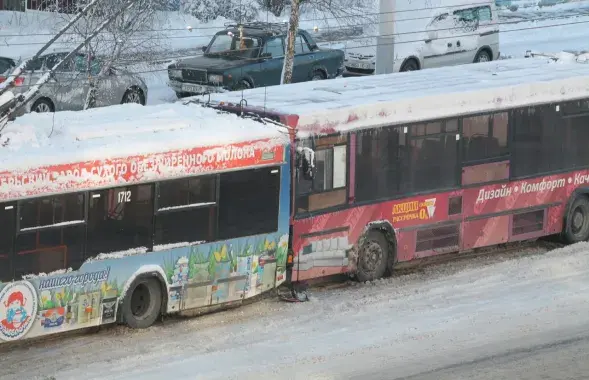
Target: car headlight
point(215, 78)
point(175, 74)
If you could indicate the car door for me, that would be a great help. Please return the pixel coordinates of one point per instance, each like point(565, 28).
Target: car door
point(439, 46)
point(269, 71)
point(109, 87)
point(67, 88)
point(488, 29)
point(466, 35)
point(304, 60)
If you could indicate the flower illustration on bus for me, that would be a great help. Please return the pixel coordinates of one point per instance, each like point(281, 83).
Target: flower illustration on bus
point(18, 307)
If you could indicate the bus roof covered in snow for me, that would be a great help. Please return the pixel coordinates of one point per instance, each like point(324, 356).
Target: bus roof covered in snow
point(70, 151)
point(344, 104)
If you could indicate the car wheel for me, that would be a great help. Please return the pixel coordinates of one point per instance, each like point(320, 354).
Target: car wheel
point(243, 85)
point(318, 75)
point(410, 65)
point(181, 95)
point(42, 106)
point(482, 56)
point(134, 95)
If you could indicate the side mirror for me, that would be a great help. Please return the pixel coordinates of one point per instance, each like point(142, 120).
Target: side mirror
point(203, 48)
point(431, 35)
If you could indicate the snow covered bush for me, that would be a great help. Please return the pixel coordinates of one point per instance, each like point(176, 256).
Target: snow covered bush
point(236, 10)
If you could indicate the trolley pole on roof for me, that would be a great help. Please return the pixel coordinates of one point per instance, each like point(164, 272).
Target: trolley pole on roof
point(385, 48)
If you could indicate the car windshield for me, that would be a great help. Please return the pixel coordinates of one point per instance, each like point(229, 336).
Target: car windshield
point(231, 45)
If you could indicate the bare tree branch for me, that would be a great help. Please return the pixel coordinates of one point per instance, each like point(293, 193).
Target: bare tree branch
point(27, 96)
point(19, 69)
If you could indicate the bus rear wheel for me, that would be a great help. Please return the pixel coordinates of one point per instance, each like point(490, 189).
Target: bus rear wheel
point(142, 303)
point(373, 257)
point(577, 221)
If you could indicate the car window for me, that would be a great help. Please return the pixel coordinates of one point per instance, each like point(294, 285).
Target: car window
point(484, 14)
point(81, 65)
point(301, 45)
point(5, 65)
point(35, 64)
point(274, 47)
point(467, 15)
point(247, 47)
point(54, 59)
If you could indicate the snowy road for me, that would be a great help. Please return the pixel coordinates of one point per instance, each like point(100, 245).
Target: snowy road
point(492, 317)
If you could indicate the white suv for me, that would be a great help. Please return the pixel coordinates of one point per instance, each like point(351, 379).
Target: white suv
point(459, 35)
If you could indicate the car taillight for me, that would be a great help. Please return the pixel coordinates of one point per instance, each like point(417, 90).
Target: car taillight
point(19, 81)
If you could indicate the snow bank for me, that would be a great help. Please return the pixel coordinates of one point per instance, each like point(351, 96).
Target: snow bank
point(119, 131)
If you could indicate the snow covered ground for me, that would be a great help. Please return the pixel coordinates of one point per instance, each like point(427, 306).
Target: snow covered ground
point(447, 320)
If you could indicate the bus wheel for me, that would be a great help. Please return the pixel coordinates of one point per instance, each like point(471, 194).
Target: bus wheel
point(143, 302)
point(373, 257)
point(577, 221)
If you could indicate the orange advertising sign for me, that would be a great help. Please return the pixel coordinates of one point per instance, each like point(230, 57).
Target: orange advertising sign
point(414, 210)
point(139, 168)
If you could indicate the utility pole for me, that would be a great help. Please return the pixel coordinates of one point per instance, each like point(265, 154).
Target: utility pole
point(27, 96)
point(293, 26)
point(18, 70)
point(385, 48)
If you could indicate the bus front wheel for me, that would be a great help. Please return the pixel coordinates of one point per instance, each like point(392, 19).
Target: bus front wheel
point(142, 303)
point(373, 257)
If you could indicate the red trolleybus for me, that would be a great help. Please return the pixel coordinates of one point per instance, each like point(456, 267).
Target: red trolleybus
point(410, 165)
point(126, 213)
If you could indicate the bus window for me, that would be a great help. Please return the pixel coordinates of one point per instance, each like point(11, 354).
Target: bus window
point(538, 143)
point(8, 223)
point(328, 188)
point(433, 156)
point(381, 156)
point(51, 234)
point(119, 219)
point(249, 202)
point(484, 137)
point(576, 123)
point(186, 211)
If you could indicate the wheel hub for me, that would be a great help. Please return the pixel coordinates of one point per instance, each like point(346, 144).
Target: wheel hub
point(372, 256)
point(578, 220)
point(140, 301)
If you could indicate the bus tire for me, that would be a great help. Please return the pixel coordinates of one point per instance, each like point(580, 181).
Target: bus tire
point(143, 302)
point(373, 257)
point(577, 221)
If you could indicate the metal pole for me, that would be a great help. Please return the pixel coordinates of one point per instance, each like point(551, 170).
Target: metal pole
point(385, 49)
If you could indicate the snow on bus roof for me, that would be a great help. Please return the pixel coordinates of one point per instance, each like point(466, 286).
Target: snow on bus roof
point(123, 130)
point(344, 104)
point(126, 144)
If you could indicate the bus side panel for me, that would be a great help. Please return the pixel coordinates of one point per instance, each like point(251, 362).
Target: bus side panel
point(433, 224)
point(193, 276)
